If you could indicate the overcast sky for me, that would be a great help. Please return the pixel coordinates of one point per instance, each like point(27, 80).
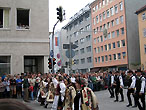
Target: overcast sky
point(70, 6)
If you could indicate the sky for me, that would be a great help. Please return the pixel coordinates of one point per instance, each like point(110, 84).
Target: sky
point(70, 6)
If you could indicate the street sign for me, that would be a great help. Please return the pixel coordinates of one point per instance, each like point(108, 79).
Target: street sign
point(59, 63)
point(68, 54)
point(67, 46)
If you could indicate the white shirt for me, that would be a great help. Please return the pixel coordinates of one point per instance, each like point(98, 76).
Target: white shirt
point(142, 85)
point(133, 82)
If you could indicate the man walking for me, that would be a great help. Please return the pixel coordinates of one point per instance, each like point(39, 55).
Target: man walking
point(131, 86)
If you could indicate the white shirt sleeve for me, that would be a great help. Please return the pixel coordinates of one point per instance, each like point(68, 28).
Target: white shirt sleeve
point(55, 82)
point(142, 85)
point(62, 91)
point(121, 81)
point(133, 82)
point(112, 80)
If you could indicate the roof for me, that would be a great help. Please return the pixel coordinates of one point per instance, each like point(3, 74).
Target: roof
point(141, 10)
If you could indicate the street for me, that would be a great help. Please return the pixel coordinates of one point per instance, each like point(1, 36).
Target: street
point(105, 103)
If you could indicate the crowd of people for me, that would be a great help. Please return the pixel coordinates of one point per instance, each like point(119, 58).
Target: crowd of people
point(74, 91)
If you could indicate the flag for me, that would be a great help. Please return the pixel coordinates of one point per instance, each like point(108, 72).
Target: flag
point(56, 41)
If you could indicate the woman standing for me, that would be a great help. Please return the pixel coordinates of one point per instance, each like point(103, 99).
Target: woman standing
point(85, 98)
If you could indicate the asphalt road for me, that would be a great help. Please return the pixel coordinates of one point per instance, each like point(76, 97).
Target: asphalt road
point(105, 103)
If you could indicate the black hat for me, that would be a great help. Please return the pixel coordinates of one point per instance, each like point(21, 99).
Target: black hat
point(130, 71)
point(138, 70)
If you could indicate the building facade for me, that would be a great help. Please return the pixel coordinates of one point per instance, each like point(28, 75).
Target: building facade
point(24, 38)
point(115, 34)
point(79, 32)
point(142, 35)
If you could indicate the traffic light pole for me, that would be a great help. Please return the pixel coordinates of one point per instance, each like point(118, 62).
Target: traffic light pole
point(70, 56)
point(53, 46)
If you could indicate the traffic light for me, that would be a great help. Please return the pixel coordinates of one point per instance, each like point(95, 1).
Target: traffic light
point(59, 13)
point(50, 63)
point(54, 61)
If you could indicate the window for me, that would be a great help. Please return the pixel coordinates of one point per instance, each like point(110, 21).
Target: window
point(100, 17)
point(97, 39)
point(100, 28)
point(109, 46)
point(101, 48)
point(94, 21)
point(143, 16)
point(101, 38)
point(95, 31)
point(117, 21)
point(109, 35)
point(96, 7)
point(144, 32)
point(124, 55)
point(104, 26)
point(4, 18)
point(119, 56)
point(88, 27)
point(103, 2)
point(121, 6)
point(114, 45)
point(81, 21)
point(23, 18)
point(102, 58)
point(88, 38)
point(105, 38)
point(121, 19)
point(97, 20)
point(82, 51)
point(100, 5)
point(94, 40)
point(5, 65)
point(70, 27)
point(117, 31)
point(107, 13)
point(75, 34)
point(82, 40)
point(112, 22)
point(93, 9)
point(118, 43)
point(83, 61)
point(96, 59)
point(98, 48)
point(113, 34)
point(106, 58)
point(110, 57)
point(99, 59)
point(122, 31)
point(76, 52)
point(116, 8)
point(81, 30)
point(114, 55)
point(105, 46)
point(76, 42)
point(89, 60)
point(104, 15)
point(87, 17)
point(95, 50)
point(112, 11)
point(108, 25)
point(123, 43)
point(88, 49)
